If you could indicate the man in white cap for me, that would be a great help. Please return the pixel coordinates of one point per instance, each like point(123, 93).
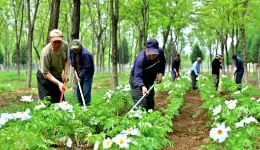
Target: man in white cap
point(54, 65)
point(216, 65)
point(82, 61)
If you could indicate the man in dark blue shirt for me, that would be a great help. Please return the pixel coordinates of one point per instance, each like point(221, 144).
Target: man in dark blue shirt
point(216, 65)
point(175, 67)
point(82, 61)
point(149, 66)
point(239, 70)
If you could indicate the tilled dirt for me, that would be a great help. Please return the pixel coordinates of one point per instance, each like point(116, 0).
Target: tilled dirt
point(189, 130)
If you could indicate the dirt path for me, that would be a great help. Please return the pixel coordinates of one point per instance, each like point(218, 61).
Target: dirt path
point(189, 131)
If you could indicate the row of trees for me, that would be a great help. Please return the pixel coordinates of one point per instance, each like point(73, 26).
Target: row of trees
point(115, 31)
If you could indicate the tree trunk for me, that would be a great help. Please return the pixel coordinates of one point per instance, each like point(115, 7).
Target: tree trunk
point(243, 39)
point(232, 46)
point(75, 20)
point(222, 45)
point(242, 29)
point(75, 26)
point(54, 16)
point(18, 8)
point(227, 58)
point(114, 11)
point(30, 39)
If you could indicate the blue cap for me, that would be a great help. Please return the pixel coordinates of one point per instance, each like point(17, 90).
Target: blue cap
point(153, 46)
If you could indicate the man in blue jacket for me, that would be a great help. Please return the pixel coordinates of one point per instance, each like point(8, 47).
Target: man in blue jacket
point(195, 70)
point(82, 61)
point(149, 67)
point(239, 70)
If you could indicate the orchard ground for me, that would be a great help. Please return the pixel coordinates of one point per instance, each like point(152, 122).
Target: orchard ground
point(189, 127)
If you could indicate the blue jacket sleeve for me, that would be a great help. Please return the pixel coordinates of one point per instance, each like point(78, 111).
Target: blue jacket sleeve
point(87, 61)
point(162, 62)
point(139, 73)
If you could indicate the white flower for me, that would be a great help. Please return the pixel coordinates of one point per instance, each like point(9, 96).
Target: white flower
point(211, 96)
point(135, 114)
point(108, 94)
point(224, 76)
point(39, 106)
point(131, 131)
point(121, 140)
point(9, 85)
point(22, 115)
point(107, 143)
point(150, 110)
point(96, 145)
point(237, 92)
point(127, 88)
point(2, 122)
point(64, 106)
point(220, 133)
point(231, 104)
point(252, 98)
point(246, 120)
point(258, 100)
point(217, 110)
point(93, 121)
point(203, 85)
point(119, 87)
point(250, 119)
point(7, 116)
point(239, 124)
point(66, 141)
point(177, 85)
point(170, 92)
point(244, 88)
point(26, 99)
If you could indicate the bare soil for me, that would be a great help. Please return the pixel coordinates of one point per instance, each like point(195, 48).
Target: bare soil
point(13, 98)
point(189, 127)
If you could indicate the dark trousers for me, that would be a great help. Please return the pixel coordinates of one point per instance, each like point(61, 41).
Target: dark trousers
point(239, 76)
point(216, 80)
point(86, 86)
point(136, 92)
point(48, 88)
point(193, 80)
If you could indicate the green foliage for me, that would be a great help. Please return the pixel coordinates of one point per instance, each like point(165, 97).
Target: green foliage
point(23, 57)
point(123, 52)
point(243, 136)
point(1, 57)
point(107, 117)
point(254, 49)
point(196, 52)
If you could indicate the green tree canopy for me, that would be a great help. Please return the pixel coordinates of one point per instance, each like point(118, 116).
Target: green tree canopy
point(196, 52)
point(24, 55)
point(1, 58)
point(123, 52)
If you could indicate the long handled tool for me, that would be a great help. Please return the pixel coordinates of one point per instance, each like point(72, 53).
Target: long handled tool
point(142, 97)
point(82, 97)
point(62, 94)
